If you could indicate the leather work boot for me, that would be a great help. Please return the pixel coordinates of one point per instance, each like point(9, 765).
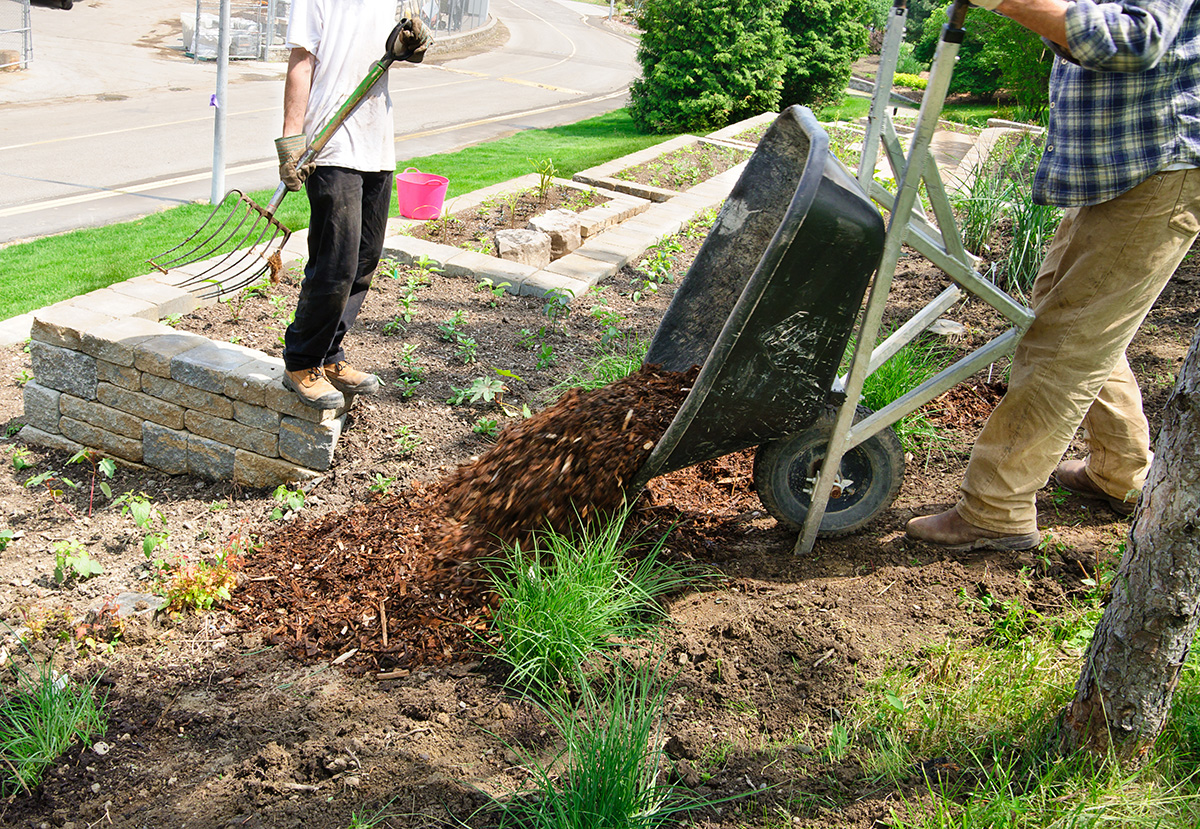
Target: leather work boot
point(951, 531)
point(313, 389)
point(349, 380)
point(1072, 476)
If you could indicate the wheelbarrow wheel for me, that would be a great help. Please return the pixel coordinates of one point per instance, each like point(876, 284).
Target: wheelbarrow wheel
point(870, 477)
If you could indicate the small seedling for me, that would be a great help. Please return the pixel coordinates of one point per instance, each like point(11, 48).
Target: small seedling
point(449, 331)
point(407, 385)
point(100, 466)
point(20, 459)
point(495, 289)
point(467, 350)
point(558, 306)
point(287, 500)
point(406, 441)
point(487, 427)
point(71, 560)
point(6, 537)
point(23, 377)
point(546, 171)
point(382, 484)
point(545, 356)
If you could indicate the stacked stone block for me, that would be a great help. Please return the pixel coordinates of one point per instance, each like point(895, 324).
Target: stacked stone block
point(144, 393)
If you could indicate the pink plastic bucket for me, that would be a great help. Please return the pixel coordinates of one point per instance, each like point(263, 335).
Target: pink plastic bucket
point(420, 195)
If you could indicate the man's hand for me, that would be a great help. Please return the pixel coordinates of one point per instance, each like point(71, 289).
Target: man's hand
point(409, 40)
point(290, 148)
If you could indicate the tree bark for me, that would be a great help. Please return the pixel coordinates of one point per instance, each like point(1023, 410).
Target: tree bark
point(1133, 663)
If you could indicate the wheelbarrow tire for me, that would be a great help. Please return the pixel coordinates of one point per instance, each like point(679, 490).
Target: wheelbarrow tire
point(783, 468)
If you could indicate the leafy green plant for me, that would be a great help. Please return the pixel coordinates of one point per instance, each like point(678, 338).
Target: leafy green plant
point(450, 330)
point(911, 366)
point(21, 459)
point(71, 561)
point(381, 484)
point(546, 171)
point(101, 466)
point(557, 305)
point(488, 427)
point(407, 385)
point(486, 389)
point(42, 716)
point(23, 377)
point(545, 356)
point(286, 500)
point(200, 584)
point(467, 350)
point(570, 596)
point(493, 288)
point(406, 441)
point(7, 536)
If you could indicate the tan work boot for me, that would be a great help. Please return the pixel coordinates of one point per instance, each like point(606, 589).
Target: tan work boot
point(349, 380)
point(950, 530)
point(1072, 476)
point(313, 389)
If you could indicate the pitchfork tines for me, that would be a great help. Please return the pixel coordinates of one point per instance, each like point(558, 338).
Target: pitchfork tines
point(237, 245)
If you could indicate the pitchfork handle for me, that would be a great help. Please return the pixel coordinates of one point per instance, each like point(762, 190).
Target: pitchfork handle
point(377, 71)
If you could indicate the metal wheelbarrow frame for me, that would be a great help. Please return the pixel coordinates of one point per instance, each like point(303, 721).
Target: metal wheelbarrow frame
point(770, 343)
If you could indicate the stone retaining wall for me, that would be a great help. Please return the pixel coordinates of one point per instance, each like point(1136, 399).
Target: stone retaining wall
point(144, 393)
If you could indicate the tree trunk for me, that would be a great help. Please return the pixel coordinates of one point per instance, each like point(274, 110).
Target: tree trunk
point(1133, 664)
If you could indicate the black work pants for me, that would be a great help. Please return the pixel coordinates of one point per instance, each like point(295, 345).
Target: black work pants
point(349, 211)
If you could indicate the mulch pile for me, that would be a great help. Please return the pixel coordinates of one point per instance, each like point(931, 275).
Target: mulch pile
point(393, 580)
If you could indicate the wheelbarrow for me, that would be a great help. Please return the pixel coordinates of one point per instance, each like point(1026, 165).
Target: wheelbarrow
point(775, 295)
point(767, 310)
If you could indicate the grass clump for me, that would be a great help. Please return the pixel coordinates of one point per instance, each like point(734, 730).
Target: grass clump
point(908, 368)
point(41, 716)
point(611, 762)
point(988, 714)
point(570, 596)
point(621, 357)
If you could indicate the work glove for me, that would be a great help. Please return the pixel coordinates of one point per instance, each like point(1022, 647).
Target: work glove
point(290, 148)
point(409, 40)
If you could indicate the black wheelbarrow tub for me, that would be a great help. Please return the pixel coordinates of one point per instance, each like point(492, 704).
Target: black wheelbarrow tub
point(769, 303)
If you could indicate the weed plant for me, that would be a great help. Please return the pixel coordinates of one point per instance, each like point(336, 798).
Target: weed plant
point(570, 596)
point(41, 716)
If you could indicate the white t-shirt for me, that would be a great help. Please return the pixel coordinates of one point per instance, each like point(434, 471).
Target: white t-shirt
point(347, 36)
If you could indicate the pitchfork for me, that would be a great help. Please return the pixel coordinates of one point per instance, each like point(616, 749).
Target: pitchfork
point(235, 244)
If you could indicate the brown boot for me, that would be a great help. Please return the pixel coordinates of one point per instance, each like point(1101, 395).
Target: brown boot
point(349, 380)
point(1072, 476)
point(313, 389)
point(950, 530)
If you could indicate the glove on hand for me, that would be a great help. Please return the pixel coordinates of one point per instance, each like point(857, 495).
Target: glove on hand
point(990, 5)
point(409, 40)
point(290, 148)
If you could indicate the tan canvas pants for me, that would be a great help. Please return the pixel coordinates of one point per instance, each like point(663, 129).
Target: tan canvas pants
point(1105, 268)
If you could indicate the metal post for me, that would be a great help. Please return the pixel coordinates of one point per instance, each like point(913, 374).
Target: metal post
point(893, 36)
point(196, 35)
point(218, 176)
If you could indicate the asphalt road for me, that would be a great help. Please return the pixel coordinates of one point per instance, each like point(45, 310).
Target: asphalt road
point(112, 121)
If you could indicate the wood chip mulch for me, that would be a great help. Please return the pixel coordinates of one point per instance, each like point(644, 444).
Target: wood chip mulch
point(393, 580)
point(966, 405)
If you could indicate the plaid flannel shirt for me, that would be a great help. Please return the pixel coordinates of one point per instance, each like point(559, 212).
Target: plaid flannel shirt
point(1125, 100)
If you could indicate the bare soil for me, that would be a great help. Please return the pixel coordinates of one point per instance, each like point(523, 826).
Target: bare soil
point(240, 717)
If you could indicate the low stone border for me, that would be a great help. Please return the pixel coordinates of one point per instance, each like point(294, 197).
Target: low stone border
point(604, 175)
point(142, 392)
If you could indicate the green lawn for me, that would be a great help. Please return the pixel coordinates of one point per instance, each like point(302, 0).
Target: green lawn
point(37, 273)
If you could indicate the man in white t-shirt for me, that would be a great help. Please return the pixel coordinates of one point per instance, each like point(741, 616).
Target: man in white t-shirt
point(334, 43)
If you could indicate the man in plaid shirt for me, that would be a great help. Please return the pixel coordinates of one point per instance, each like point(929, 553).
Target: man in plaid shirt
point(1121, 155)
